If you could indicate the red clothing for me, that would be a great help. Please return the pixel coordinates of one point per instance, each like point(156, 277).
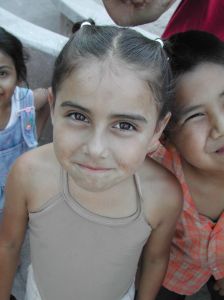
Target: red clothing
point(197, 250)
point(206, 15)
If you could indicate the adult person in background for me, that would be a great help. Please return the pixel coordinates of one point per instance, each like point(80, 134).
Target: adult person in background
point(206, 15)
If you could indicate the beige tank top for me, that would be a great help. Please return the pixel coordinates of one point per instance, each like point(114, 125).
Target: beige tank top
point(79, 255)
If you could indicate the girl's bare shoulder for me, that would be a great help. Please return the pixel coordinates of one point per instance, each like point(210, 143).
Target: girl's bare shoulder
point(37, 172)
point(38, 159)
point(161, 191)
point(34, 166)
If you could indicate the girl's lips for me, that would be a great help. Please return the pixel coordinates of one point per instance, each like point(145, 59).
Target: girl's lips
point(91, 168)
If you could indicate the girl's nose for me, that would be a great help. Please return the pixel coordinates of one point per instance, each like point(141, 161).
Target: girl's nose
point(96, 146)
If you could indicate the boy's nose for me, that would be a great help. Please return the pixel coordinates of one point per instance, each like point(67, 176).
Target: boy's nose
point(218, 127)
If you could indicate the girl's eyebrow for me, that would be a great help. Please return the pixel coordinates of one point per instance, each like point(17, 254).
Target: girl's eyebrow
point(133, 117)
point(5, 67)
point(73, 105)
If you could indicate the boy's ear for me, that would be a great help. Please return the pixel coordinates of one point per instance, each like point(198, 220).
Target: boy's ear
point(51, 103)
point(154, 143)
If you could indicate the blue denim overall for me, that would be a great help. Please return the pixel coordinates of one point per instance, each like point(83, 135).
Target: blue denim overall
point(18, 138)
point(15, 140)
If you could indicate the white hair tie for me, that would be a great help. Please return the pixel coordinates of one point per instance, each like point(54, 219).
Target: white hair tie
point(160, 41)
point(86, 23)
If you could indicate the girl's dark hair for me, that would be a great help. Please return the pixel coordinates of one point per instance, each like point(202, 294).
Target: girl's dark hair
point(12, 47)
point(186, 51)
point(129, 46)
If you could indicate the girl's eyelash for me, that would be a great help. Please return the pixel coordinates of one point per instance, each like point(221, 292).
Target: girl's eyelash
point(78, 116)
point(3, 73)
point(125, 126)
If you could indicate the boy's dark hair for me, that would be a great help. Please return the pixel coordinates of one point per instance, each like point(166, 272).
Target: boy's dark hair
point(12, 47)
point(101, 42)
point(186, 50)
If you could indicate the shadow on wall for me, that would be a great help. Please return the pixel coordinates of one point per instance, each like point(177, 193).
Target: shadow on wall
point(40, 67)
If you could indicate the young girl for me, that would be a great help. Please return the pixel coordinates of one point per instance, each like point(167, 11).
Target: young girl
point(92, 198)
point(195, 154)
point(17, 110)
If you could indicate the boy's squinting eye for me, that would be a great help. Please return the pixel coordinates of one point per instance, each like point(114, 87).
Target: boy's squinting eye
point(125, 126)
point(196, 115)
point(78, 117)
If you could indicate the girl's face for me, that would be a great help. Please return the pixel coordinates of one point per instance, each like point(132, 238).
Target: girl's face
point(105, 122)
point(8, 78)
point(199, 134)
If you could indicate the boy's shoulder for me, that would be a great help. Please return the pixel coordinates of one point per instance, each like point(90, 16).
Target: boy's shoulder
point(161, 191)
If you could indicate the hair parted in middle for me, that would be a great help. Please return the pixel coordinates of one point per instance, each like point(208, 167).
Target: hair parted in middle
point(140, 53)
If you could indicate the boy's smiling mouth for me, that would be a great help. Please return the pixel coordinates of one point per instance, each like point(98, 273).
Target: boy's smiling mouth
point(220, 150)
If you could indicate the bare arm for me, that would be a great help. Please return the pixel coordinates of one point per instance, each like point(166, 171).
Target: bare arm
point(12, 230)
point(42, 108)
point(136, 12)
point(156, 252)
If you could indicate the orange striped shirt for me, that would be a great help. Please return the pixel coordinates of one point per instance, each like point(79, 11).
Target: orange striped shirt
point(197, 250)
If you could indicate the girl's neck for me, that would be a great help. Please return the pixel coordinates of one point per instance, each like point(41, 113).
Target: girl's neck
point(111, 202)
point(5, 112)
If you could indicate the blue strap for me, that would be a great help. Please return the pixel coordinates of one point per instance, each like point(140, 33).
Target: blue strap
point(27, 114)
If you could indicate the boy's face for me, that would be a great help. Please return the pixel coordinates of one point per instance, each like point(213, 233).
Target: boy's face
point(105, 122)
point(199, 134)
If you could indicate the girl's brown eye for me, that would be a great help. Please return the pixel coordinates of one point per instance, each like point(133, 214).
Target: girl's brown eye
point(125, 126)
point(78, 116)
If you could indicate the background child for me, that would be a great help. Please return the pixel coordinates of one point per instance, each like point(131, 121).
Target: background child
point(204, 15)
point(195, 154)
point(17, 114)
point(91, 197)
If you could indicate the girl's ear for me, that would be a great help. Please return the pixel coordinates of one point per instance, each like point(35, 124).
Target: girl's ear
point(154, 143)
point(51, 103)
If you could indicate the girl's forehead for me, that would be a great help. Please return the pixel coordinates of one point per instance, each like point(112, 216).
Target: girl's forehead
point(103, 83)
point(5, 59)
point(109, 74)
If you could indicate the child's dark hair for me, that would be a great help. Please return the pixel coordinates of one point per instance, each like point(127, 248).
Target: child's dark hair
point(101, 42)
point(12, 47)
point(186, 51)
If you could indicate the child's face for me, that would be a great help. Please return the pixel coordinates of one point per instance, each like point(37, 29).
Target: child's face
point(199, 134)
point(105, 122)
point(8, 78)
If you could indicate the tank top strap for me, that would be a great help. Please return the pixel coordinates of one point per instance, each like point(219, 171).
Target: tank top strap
point(27, 114)
point(138, 185)
point(63, 181)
